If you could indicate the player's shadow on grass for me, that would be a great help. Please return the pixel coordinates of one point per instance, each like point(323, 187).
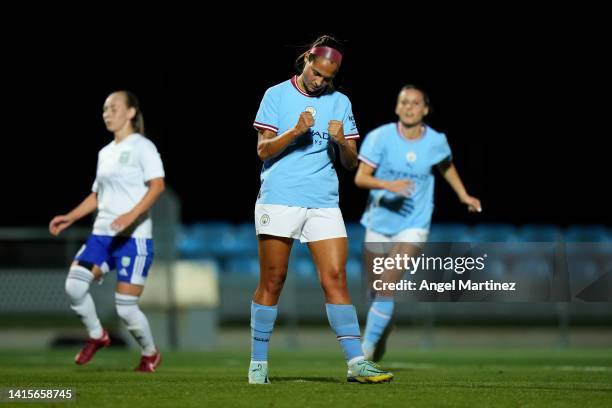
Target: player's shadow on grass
point(305, 379)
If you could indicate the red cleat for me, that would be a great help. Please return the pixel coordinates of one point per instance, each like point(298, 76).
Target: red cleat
point(148, 364)
point(90, 348)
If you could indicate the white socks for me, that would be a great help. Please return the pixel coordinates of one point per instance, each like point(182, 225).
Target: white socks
point(136, 322)
point(77, 288)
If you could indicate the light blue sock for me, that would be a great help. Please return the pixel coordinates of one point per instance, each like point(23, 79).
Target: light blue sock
point(343, 320)
point(262, 323)
point(378, 318)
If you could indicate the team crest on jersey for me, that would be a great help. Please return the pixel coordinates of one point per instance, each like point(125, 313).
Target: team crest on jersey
point(124, 158)
point(411, 157)
point(125, 261)
point(311, 110)
point(264, 219)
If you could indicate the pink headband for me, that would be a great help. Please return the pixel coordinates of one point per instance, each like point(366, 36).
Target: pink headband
point(327, 52)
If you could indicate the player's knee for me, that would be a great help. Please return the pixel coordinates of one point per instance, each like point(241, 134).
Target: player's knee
point(127, 307)
point(78, 281)
point(273, 283)
point(334, 276)
point(125, 312)
point(334, 282)
point(76, 289)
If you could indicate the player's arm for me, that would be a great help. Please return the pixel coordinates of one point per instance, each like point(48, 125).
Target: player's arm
point(156, 187)
point(348, 148)
point(348, 154)
point(270, 145)
point(451, 175)
point(365, 179)
point(61, 222)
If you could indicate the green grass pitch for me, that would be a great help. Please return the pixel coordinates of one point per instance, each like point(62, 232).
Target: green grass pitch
point(453, 378)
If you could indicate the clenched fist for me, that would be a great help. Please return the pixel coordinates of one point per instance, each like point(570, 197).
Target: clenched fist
point(305, 122)
point(336, 131)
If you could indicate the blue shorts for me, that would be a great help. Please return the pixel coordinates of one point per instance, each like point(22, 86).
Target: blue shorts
point(131, 257)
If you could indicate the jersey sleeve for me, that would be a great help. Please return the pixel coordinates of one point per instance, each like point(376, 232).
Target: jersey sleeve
point(371, 150)
point(150, 161)
point(267, 115)
point(94, 187)
point(442, 150)
point(349, 124)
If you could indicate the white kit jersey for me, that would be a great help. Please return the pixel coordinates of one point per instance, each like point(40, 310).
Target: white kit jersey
point(123, 169)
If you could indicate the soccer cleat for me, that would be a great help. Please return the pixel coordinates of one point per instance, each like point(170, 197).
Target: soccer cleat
point(367, 372)
point(258, 373)
point(148, 364)
point(90, 348)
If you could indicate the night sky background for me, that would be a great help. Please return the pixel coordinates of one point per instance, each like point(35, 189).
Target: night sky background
point(526, 120)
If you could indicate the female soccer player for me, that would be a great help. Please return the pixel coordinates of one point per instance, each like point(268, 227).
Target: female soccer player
point(396, 165)
point(301, 122)
point(129, 179)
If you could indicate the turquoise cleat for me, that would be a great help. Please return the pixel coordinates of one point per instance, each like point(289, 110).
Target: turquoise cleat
point(367, 372)
point(258, 372)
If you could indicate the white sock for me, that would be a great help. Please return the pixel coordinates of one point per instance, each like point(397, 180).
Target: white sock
point(368, 347)
point(136, 322)
point(354, 360)
point(77, 289)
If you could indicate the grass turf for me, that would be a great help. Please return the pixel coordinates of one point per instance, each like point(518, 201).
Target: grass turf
point(459, 377)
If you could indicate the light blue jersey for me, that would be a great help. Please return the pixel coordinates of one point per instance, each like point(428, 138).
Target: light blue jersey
point(303, 175)
point(394, 157)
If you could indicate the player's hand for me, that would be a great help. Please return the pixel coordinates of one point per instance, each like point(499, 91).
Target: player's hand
point(59, 223)
point(336, 131)
point(473, 203)
point(404, 187)
point(123, 221)
point(305, 122)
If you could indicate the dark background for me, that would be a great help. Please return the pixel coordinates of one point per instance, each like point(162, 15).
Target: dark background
point(525, 118)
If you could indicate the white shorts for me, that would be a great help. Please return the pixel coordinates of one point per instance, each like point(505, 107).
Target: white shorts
point(305, 224)
point(417, 236)
point(408, 235)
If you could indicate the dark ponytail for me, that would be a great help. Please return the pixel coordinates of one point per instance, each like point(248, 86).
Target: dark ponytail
point(138, 120)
